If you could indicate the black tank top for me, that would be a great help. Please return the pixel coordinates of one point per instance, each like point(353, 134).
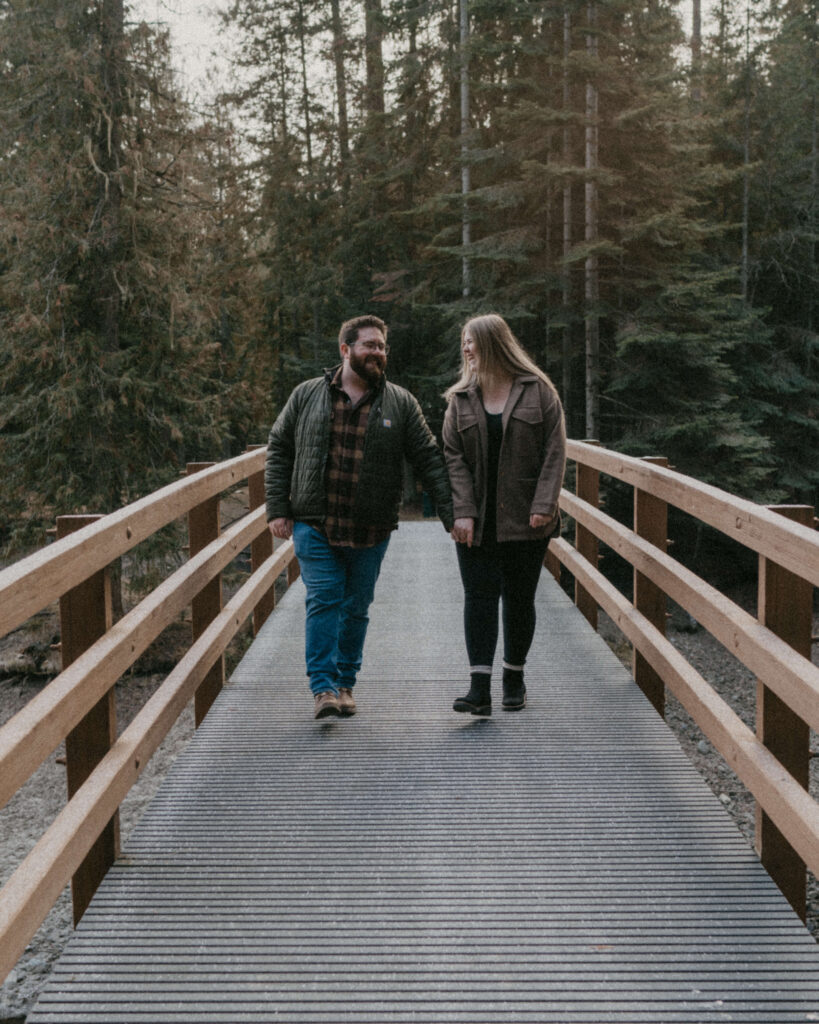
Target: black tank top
point(494, 430)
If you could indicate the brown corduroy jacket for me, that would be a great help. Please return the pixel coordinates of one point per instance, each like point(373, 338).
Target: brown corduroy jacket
point(532, 458)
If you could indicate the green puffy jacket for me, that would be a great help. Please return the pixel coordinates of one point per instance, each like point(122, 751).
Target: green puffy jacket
point(396, 430)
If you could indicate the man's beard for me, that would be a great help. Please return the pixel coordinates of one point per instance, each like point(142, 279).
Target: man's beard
point(370, 368)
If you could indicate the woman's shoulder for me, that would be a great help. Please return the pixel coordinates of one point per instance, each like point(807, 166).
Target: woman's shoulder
point(543, 387)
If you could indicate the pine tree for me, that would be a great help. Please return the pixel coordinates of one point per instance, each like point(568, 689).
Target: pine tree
point(110, 377)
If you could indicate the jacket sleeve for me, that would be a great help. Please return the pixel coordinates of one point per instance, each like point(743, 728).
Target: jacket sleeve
point(424, 455)
point(280, 459)
point(461, 479)
point(553, 467)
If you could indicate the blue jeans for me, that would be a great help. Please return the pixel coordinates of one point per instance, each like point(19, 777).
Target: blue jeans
point(340, 583)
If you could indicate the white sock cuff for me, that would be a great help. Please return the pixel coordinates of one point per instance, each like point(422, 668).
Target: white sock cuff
point(485, 670)
point(513, 668)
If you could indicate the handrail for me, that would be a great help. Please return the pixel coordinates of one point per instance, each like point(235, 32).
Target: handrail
point(38, 728)
point(787, 803)
point(32, 889)
point(779, 666)
point(67, 707)
point(773, 764)
point(35, 582)
point(791, 545)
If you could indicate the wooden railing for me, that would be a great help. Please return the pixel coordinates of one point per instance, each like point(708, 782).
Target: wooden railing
point(775, 644)
point(77, 705)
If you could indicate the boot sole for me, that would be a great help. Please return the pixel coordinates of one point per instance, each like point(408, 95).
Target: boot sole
point(515, 707)
point(484, 710)
point(327, 712)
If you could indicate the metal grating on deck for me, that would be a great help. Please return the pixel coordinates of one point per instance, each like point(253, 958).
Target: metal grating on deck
point(563, 864)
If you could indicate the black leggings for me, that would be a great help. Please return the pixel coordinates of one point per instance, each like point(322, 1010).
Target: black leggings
point(508, 572)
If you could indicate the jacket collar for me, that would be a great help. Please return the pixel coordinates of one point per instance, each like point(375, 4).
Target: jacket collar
point(518, 384)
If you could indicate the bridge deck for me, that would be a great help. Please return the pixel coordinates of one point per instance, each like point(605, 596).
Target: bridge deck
point(563, 864)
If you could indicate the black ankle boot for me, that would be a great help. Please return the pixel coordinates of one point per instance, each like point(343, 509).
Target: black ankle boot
point(514, 690)
point(478, 701)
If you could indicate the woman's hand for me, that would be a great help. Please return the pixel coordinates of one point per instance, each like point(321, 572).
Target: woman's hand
point(537, 521)
point(463, 531)
point(281, 528)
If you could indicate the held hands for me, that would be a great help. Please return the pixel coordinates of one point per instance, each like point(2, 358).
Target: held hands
point(281, 528)
point(463, 531)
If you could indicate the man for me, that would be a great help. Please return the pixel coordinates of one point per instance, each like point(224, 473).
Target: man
point(333, 478)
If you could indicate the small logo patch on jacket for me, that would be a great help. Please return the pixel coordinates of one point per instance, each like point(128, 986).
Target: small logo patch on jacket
point(387, 423)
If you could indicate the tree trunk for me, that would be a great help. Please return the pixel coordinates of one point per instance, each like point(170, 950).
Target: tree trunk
point(696, 50)
point(567, 221)
point(592, 284)
point(341, 81)
point(374, 59)
point(466, 185)
point(109, 154)
point(305, 89)
point(746, 159)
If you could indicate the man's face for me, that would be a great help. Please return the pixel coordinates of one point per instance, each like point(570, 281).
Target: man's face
point(368, 355)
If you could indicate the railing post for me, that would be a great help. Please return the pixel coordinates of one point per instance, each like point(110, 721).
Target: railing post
point(650, 523)
point(552, 563)
point(785, 606)
point(85, 616)
point(588, 489)
point(203, 527)
point(262, 547)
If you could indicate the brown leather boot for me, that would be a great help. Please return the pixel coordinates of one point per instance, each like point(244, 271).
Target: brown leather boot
point(326, 703)
point(346, 703)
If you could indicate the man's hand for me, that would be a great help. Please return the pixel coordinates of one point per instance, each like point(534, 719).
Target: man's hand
point(463, 531)
point(281, 528)
point(537, 521)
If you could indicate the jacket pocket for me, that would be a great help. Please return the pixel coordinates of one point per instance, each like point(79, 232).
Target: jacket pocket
point(528, 413)
point(467, 420)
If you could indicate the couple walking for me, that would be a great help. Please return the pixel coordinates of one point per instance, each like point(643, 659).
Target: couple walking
point(333, 478)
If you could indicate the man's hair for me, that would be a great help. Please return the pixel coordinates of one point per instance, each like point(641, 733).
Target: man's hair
point(350, 328)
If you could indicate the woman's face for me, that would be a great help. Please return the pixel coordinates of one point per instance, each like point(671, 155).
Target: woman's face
point(470, 351)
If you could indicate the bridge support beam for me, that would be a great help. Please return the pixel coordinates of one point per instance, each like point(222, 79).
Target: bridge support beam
point(785, 606)
point(85, 616)
point(262, 547)
point(204, 527)
point(587, 488)
point(650, 523)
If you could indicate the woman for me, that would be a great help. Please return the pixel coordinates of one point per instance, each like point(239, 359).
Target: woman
point(505, 446)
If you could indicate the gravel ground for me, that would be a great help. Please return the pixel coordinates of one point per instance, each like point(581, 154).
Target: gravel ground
point(23, 819)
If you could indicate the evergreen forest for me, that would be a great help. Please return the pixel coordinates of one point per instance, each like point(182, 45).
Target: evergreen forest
point(631, 183)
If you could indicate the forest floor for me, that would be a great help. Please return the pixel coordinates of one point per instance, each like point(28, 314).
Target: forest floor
point(28, 661)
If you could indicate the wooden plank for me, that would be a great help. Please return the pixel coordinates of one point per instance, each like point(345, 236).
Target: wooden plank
point(791, 545)
point(203, 528)
point(85, 616)
point(785, 606)
point(557, 866)
point(35, 731)
point(35, 582)
point(262, 547)
point(588, 490)
point(650, 523)
point(32, 889)
point(789, 806)
point(784, 670)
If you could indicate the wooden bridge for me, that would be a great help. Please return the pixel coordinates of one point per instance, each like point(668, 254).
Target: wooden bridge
point(563, 864)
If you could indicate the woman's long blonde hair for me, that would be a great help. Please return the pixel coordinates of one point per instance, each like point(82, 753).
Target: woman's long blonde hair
point(499, 352)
